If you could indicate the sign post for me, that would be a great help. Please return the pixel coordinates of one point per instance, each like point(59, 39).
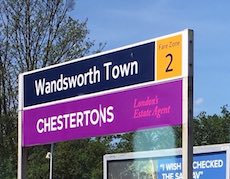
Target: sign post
point(187, 129)
point(51, 160)
point(22, 151)
point(140, 86)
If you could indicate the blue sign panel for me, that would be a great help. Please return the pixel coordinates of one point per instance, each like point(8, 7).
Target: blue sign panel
point(205, 166)
point(117, 69)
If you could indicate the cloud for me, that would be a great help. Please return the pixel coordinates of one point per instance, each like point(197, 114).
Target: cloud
point(199, 101)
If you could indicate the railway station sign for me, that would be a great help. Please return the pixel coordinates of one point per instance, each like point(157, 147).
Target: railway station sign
point(126, 89)
point(132, 88)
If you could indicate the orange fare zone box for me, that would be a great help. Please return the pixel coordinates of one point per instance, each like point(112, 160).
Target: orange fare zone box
point(169, 57)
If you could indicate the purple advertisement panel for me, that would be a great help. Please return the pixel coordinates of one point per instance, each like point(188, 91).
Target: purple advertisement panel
point(125, 111)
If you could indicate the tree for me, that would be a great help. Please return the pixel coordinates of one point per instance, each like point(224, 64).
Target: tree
point(212, 129)
point(80, 159)
point(33, 34)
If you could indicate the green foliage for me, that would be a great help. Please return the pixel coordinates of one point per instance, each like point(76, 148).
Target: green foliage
point(212, 129)
point(37, 163)
point(8, 147)
point(79, 159)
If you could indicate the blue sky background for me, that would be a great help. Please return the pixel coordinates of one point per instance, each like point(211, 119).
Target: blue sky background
point(123, 22)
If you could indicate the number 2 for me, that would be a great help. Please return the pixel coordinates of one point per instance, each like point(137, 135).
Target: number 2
point(169, 68)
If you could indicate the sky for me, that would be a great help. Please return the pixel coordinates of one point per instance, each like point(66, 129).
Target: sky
point(122, 22)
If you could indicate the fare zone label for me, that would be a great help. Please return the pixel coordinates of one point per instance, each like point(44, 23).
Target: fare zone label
point(169, 57)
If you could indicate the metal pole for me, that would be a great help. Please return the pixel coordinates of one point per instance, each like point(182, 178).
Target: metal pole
point(19, 146)
point(187, 134)
point(51, 160)
point(22, 151)
point(190, 104)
